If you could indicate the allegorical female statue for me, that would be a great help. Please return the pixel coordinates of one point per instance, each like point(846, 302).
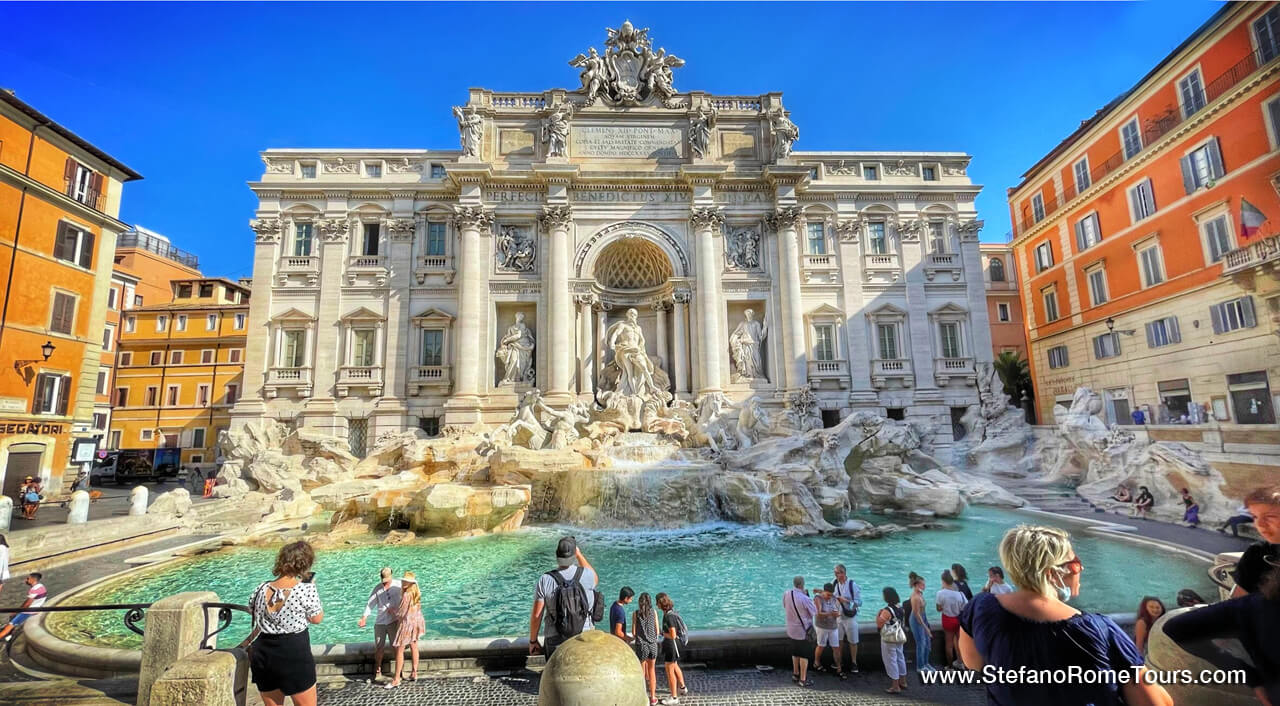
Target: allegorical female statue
point(746, 346)
point(515, 352)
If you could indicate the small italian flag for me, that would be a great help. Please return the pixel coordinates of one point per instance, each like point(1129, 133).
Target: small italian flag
point(1251, 219)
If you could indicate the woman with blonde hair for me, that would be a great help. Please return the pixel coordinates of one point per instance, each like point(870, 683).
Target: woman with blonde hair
point(412, 626)
point(1034, 628)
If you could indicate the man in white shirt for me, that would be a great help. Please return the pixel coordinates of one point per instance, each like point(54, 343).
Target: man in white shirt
point(850, 597)
point(385, 600)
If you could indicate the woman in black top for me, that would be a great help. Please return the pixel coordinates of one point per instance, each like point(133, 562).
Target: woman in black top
point(1254, 619)
point(961, 581)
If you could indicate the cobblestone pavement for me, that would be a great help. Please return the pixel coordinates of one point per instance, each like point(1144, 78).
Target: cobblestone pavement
point(708, 687)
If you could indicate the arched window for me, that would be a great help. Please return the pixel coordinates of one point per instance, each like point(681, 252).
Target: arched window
point(996, 267)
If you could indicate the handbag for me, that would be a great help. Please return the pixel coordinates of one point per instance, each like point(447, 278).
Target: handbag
point(809, 633)
point(850, 610)
point(891, 633)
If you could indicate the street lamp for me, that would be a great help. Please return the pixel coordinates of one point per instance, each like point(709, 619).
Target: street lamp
point(47, 349)
point(1111, 325)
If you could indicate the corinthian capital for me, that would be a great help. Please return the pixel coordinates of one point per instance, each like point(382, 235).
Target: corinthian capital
point(268, 229)
point(909, 229)
point(850, 228)
point(707, 218)
point(968, 230)
point(475, 217)
point(785, 217)
point(400, 228)
point(333, 229)
point(556, 217)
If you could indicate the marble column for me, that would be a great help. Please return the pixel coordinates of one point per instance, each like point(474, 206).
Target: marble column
point(472, 222)
point(557, 221)
point(586, 344)
point(786, 223)
point(707, 222)
point(680, 364)
point(660, 341)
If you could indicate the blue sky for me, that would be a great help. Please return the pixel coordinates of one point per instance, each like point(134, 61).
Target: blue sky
point(188, 94)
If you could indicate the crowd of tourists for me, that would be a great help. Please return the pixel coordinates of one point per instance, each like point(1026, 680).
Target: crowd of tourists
point(1019, 618)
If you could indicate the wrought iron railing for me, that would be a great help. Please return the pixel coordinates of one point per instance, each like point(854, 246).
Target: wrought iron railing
point(135, 616)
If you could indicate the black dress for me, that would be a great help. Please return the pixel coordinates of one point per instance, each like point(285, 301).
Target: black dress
point(280, 658)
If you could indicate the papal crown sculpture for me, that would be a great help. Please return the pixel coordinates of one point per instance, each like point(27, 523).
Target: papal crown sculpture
point(630, 72)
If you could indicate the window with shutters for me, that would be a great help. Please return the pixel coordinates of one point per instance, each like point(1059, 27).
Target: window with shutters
point(1216, 232)
point(202, 394)
point(371, 232)
point(1191, 93)
point(1151, 265)
point(180, 322)
point(363, 344)
point(877, 243)
point(126, 359)
point(435, 238)
point(1081, 171)
point(1163, 332)
point(1271, 111)
point(817, 237)
point(1050, 298)
point(232, 393)
point(302, 239)
point(1088, 233)
point(50, 394)
point(162, 322)
point(175, 357)
point(1002, 312)
point(184, 291)
point(824, 342)
point(1202, 166)
point(1097, 277)
point(206, 356)
point(432, 351)
point(1266, 30)
point(937, 236)
point(887, 341)
point(995, 269)
point(122, 397)
point(1233, 315)
point(293, 348)
point(63, 318)
point(151, 398)
point(198, 438)
point(83, 184)
point(239, 322)
point(949, 341)
point(1058, 357)
point(1106, 346)
point(108, 337)
point(211, 322)
point(206, 290)
point(113, 298)
point(101, 387)
point(156, 357)
point(1142, 201)
point(233, 355)
point(74, 245)
point(130, 324)
point(1037, 208)
point(1131, 138)
point(171, 396)
point(1044, 256)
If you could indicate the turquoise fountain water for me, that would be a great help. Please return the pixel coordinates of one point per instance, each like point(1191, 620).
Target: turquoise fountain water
point(720, 575)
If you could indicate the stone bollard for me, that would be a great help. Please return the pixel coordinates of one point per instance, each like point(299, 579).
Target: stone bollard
point(593, 668)
point(173, 630)
point(138, 501)
point(208, 678)
point(6, 512)
point(1165, 655)
point(78, 508)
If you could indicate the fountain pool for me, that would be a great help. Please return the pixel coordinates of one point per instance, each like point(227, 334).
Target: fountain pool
point(720, 575)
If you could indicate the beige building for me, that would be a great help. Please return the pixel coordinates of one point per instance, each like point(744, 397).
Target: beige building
point(396, 288)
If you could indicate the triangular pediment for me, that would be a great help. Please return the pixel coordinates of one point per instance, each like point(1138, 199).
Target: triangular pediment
point(363, 314)
point(434, 315)
point(887, 310)
point(825, 311)
point(293, 314)
point(949, 308)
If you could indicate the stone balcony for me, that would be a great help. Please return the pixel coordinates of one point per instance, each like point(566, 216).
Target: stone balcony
point(298, 268)
point(1243, 263)
point(946, 370)
point(288, 379)
point(945, 264)
point(820, 268)
point(371, 269)
point(884, 371)
point(425, 378)
point(882, 268)
point(829, 374)
point(427, 265)
point(367, 377)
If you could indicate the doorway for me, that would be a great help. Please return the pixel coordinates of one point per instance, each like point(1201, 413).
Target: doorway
point(1117, 404)
point(20, 465)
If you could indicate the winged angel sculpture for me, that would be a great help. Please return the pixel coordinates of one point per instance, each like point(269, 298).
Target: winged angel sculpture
point(629, 72)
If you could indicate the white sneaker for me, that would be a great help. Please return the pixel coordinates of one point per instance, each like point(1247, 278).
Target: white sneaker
point(671, 700)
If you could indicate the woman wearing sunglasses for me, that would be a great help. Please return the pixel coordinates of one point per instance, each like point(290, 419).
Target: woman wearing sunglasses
point(1034, 629)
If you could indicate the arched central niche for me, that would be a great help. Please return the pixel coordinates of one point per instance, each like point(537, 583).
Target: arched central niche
point(632, 264)
point(585, 263)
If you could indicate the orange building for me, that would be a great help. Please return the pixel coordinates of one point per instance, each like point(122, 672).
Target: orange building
point(1120, 233)
point(179, 369)
point(59, 207)
point(1004, 306)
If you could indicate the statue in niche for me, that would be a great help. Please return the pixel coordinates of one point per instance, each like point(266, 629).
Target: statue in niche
point(633, 387)
point(470, 130)
point(515, 352)
point(700, 127)
point(555, 130)
point(746, 345)
point(515, 249)
point(636, 370)
point(785, 133)
point(743, 248)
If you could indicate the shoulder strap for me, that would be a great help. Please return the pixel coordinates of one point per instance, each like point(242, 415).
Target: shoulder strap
point(794, 608)
point(555, 576)
point(577, 575)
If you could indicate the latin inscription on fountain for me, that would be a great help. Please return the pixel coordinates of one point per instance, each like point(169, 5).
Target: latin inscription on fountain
point(627, 142)
point(515, 142)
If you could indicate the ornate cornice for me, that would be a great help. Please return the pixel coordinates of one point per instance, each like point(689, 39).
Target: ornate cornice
point(706, 218)
point(333, 229)
point(785, 217)
point(476, 217)
point(556, 217)
point(339, 166)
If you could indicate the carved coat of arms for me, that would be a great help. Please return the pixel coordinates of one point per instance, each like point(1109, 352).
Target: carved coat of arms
point(630, 72)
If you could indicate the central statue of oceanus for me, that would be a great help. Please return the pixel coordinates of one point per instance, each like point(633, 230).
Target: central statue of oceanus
point(633, 385)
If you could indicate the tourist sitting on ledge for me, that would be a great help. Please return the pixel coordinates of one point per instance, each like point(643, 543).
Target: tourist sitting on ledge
point(1122, 495)
point(1142, 506)
point(1035, 629)
point(1240, 517)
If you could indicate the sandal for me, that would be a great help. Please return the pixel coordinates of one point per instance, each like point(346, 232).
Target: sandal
point(684, 690)
point(893, 691)
point(806, 682)
point(795, 677)
point(843, 675)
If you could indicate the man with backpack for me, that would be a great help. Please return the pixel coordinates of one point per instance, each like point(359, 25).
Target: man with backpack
point(850, 597)
point(566, 600)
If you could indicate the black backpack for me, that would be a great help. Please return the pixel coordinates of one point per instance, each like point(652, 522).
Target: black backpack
point(568, 604)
